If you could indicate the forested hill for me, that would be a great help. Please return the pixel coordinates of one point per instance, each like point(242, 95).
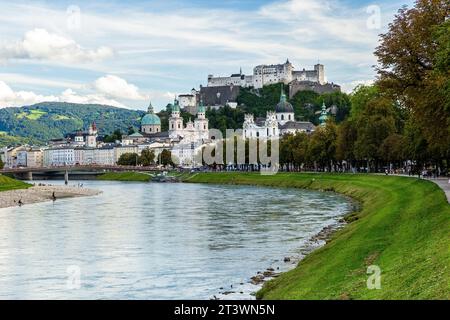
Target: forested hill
point(49, 120)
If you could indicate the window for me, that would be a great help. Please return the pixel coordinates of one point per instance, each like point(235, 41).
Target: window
point(289, 117)
point(172, 125)
point(282, 117)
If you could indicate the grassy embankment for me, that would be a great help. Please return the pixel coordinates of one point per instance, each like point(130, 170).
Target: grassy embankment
point(125, 176)
point(403, 227)
point(138, 176)
point(7, 183)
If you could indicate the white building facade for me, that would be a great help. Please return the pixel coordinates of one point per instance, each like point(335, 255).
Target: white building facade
point(270, 74)
point(278, 122)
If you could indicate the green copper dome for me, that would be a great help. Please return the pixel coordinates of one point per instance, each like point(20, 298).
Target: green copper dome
point(283, 106)
point(323, 115)
point(176, 106)
point(150, 118)
point(201, 107)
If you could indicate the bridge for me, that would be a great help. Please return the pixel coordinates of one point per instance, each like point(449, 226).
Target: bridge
point(26, 173)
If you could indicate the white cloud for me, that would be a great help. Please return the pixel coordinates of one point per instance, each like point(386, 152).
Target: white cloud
point(349, 86)
point(11, 98)
point(117, 87)
point(69, 95)
point(39, 44)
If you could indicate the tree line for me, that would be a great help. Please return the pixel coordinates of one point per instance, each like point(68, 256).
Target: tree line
point(402, 121)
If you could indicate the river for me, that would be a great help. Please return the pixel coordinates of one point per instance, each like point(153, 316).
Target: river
point(157, 241)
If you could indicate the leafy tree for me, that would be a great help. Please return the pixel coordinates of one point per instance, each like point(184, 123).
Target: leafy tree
point(305, 105)
point(322, 146)
point(360, 97)
point(2, 164)
point(414, 69)
point(392, 148)
point(165, 158)
point(115, 136)
point(345, 141)
point(128, 159)
point(374, 125)
point(147, 157)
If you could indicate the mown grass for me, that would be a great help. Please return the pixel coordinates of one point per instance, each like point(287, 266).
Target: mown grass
point(403, 227)
point(7, 183)
point(125, 176)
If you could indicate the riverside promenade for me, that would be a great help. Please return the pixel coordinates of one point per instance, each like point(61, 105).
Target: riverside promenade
point(444, 183)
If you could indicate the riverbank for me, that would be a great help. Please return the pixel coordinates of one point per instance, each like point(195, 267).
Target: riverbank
point(135, 176)
point(125, 176)
point(14, 193)
point(7, 183)
point(402, 227)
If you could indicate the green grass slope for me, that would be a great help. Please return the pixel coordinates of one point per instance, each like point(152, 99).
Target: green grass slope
point(125, 176)
point(7, 183)
point(403, 227)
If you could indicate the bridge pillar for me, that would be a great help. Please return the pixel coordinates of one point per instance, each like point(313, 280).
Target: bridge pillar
point(28, 176)
point(66, 177)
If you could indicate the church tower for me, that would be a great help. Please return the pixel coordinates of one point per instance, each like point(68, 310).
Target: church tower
point(201, 123)
point(175, 121)
point(91, 139)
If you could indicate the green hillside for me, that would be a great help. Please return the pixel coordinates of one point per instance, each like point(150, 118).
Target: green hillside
point(50, 120)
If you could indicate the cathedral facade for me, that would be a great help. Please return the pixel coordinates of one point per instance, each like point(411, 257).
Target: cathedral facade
point(278, 122)
point(194, 131)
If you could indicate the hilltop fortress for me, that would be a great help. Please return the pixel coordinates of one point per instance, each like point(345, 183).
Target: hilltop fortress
point(270, 74)
point(221, 91)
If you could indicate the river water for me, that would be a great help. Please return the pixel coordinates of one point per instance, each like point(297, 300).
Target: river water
point(157, 241)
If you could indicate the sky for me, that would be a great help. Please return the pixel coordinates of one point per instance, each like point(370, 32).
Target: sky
point(127, 54)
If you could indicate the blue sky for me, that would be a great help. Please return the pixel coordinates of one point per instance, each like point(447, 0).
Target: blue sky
point(126, 54)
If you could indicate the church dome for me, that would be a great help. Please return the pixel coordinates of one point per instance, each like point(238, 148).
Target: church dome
point(150, 118)
point(283, 106)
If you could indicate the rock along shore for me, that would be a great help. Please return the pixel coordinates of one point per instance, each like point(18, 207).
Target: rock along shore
point(35, 194)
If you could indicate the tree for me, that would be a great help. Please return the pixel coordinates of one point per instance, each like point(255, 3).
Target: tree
point(345, 141)
point(147, 157)
point(128, 159)
point(165, 158)
point(392, 148)
point(2, 164)
point(414, 69)
point(322, 146)
point(360, 97)
point(374, 124)
point(115, 136)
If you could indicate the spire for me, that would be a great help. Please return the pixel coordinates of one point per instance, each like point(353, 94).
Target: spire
point(150, 108)
point(240, 71)
point(201, 107)
point(283, 95)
